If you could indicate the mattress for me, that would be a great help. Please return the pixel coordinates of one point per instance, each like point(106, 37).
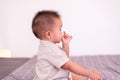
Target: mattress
point(7, 65)
point(108, 65)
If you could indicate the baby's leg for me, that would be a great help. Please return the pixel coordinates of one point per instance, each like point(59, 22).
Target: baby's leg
point(74, 77)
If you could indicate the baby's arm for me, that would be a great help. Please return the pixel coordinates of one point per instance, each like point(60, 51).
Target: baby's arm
point(65, 42)
point(77, 69)
point(74, 67)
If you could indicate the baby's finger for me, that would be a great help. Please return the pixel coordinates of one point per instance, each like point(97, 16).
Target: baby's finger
point(100, 76)
point(65, 33)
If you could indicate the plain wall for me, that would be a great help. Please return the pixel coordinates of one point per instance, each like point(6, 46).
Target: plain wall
point(94, 25)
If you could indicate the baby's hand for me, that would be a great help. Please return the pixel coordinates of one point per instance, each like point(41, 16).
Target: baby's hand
point(95, 75)
point(66, 38)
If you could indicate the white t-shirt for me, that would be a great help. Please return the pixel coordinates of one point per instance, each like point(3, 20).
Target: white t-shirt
point(49, 61)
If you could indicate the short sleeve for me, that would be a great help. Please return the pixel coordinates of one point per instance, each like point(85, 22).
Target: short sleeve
point(57, 57)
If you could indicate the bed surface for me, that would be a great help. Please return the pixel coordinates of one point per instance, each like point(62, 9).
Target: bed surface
point(7, 65)
point(108, 65)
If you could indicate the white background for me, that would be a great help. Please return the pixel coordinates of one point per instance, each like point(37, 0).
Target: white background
point(94, 25)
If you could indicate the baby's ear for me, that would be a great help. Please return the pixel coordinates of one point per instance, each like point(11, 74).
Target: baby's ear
point(48, 34)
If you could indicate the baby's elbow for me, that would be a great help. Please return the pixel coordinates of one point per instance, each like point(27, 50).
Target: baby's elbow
point(67, 65)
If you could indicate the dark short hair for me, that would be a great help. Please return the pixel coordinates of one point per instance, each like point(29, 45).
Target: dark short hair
point(43, 21)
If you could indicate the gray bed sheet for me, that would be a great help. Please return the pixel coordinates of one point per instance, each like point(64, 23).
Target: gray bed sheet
point(7, 65)
point(108, 65)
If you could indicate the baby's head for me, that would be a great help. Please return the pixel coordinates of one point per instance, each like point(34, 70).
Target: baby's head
point(47, 25)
